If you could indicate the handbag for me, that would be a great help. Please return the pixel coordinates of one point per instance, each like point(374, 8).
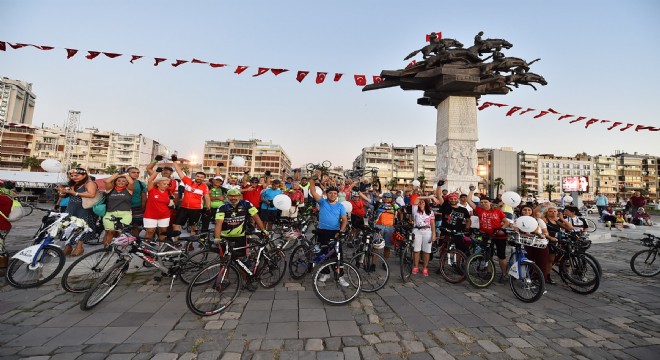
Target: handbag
point(88, 203)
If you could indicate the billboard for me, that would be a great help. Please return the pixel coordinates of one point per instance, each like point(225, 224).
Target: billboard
point(575, 183)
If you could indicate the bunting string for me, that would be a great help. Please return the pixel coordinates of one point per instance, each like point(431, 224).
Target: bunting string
point(579, 119)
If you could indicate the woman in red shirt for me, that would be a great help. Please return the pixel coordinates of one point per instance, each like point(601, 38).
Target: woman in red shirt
point(157, 212)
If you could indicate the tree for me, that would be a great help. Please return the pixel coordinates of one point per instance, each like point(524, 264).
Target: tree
point(392, 183)
point(523, 189)
point(498, 183)
point(549, 188)
point(111, 169)
point(74, 164)
point(422, 181)
point(31, 162)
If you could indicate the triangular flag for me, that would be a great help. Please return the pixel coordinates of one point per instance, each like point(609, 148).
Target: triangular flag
point(71, 53)
point(553, 111)
point(616, 123)
point(92, 54)
point(513, 110)
point(135, 57)
point(626, 127)
point(43, 47)
point(644, 127)
point(542, 113)
point(278, 71)
point(301, 75)
point(195, 61)
point(578, 119)
point(111, 55)
point(3, 46)
point(320, 77)
point(179, 62)
point(261, 71)
point(591, 121)
point(240, 69)
point(526, 111)
point(360, 80)
point(158, 61)
point(337, 77)
point(214, 65)
point(565, 116)
point(17, 46)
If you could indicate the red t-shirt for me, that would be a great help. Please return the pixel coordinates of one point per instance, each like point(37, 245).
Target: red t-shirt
point(5, 207)
point(358, 207)
point(253, 195)
point(194, 194)
point(637, 201)
point(413, 197)
point(489, 220)
point(157, 204)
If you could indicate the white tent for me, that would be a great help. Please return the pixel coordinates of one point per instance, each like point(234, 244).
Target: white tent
point(29, 179)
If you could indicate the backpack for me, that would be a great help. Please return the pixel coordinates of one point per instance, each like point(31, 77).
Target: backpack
point(16, 212)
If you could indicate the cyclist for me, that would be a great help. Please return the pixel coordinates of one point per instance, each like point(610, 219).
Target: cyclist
point(232, 184)
point(139, 198)
point(160, 201)
point(268, 212)
point(556, 224)
point(538, 256)
point(195, 200)
point(295, 193)
point(490, 220)
point(119, 194)
point(231, 221)
point(166, 172)
point(5, 208)
point(387, 213)
point(332, 220)
point(424, 231)
point(217, 196)
point(571, 214)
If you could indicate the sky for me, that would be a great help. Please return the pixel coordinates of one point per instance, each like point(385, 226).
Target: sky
point(599, 58)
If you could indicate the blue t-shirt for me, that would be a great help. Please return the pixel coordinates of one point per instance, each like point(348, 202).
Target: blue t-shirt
point(268, 195)
point(138, 190)
point(330, 214)
point(64, 202)
point(602, 200)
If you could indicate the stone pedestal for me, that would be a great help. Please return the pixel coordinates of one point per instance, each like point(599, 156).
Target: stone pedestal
point(456, 139)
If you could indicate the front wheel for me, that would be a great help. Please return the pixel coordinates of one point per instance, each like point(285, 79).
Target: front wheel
point(645, 263)
point(480, 271)
point(531, 284)
point(453, 266)
point(24, 276)
point(213, 289)
point(373, 275)
point(326, 164)
point(406, 263)
point(336, 286)
point(300, 261)
point(591, 225)
point(104, 286)
point(196, 261)
point(83, 273)
point(272, 268)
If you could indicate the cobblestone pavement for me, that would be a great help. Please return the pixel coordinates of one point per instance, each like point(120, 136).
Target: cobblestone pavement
point(426, 319)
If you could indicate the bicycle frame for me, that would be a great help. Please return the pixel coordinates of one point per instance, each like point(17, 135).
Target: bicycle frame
point(516, 260)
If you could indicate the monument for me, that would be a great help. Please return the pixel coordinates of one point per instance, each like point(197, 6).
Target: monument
point(453, 78)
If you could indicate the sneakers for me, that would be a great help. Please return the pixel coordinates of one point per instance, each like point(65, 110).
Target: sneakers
point(502, 279)
point(415, 270)
point(324, 277)
point(425, 272)
point(343, 282)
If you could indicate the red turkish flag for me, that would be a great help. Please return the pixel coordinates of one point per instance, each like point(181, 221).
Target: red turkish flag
point(337, 77)
point(93, 54)
point(70, 53)
point(3, 46)
point(542, 113)
point(320, 77)
point(553, 111)
point(261, 71)
point(616, 123)
point(526, 111)
point(214, 65)
point(513, 110)
point(360, 80)
point(488, 104)
point(592, 121)
point(649, 128)
point(626, 127)
point(240, 69)
point(44, 47)
point(179, 62)
point(111, 55)
point(377, 79)
point(578, 119)
point(158, 61)
point(565, 116)
point(301, 75)
point(278, 71)
point(604, 121)
point(428, 36)
point(412, 63)
point(195, 61)
point(135, 57)
point(17, 45)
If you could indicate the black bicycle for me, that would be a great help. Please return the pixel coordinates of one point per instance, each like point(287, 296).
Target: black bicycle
point(645, 262)
point(372, 267)
point(324, 167)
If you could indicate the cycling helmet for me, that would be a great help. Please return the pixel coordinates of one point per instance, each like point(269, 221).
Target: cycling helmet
point(378, 243)
point(234, 192)
point(355, 193)
point(331, 188)
point(388, 195)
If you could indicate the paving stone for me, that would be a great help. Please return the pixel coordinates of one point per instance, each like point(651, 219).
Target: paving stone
point(413, 346)
point(388, 348)
point(117, 356)
point(313, 329)
point(165, 356)
point(97, 356)
point(351, 353)
point(343, 328)
point(209, 355)
point(314, 345)
point(214, 325)
point(514, 353)
point(294, 345)
point(489, 346)
point(330, 355)
point(272, 344)
point(368, 352)
point(519, 343)
point(440, 354)
point(250, 331)
point(311, 315)
point(231, 356)
point(567, 343)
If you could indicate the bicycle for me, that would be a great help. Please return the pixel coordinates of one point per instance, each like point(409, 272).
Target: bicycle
point(366, 259)
point(578, 270)
point(329, 279)
point(216, 286)
point(42, 261)
point(644, 262)
point(525, 277)
point(324, 167)
point(171, 259)
point(405, 250)
point(452, 261)
point(481, 268)
point(591, 225)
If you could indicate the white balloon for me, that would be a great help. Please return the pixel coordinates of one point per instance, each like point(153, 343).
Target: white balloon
point(511, 198)
point(319, 191)
point(476, 199)
point(435, 187)
point(51, 165)
point(282, 202)
point(527, 224)
point(238, 161)
point(416, 183)
point(568, 199)
point(348, 206)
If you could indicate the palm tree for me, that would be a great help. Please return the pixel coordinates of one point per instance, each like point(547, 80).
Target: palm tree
point(111, 169)
point(74, 164)
point(523, 189)
point(422, 181)
point(549, 188)
point(30, 162)
point(498, 183)
point(392, 183)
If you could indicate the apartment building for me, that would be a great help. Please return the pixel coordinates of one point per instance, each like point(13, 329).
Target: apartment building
point(637, 173)
point(502, 164)
point(606, 176)
point(529, 172)
point(17, 101)
point(552, 169)
point(15, 141)
point(260, 156)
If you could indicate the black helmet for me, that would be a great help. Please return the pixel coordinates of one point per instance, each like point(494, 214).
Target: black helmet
point(331, 188)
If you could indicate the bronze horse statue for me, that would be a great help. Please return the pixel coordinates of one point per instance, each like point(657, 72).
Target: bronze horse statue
point(525, 78)
point(507, 64)
point(452, 56)
point(436, 46)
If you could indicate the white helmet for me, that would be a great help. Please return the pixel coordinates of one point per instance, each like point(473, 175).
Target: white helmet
point(378, 242)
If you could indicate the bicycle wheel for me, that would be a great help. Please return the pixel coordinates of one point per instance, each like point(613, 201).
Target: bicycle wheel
point(480, 271)
point(406, 263)
point(83, 273)
point(645, 263)
point(578, 270)
point(331, 291)
point(24, 276)
point(326, 164)
point(27, 208)
point(272, 268)
point(531, 285)
point(596, 262)
point(104, 285)
point(310, 167)
point(213, 289)
point(300, 262)
point(196, 261)
point(453, 265)
point(372, 273)
point(591, 225)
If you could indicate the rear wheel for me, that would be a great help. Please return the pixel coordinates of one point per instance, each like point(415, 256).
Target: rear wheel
point(646, 263)
point(530, 286)
point(373, 275)
point(49, 263)
point(83, 273)
point(480, 271)
point(406, 263)
point(334, 291)
point(453, 266)
point(272, 268)
point(196, 261)
point(213, 289)
point(591, 225)
point(300, 261)
point(104, 286)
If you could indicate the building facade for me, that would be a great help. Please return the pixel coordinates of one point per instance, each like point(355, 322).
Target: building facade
point(17, 101)
point(497, 166)
point(606, 180)
point(552, 169)
point(260, 156)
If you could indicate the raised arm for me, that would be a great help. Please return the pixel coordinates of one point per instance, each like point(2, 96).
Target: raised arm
point(178, 170)
point(150, 180)
point(469, 199)
point(110, 181)
point(438, 192)
point(312, 189)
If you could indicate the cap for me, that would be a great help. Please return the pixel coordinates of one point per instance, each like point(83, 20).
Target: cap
point(355, 193)
point(218, 178)
point(233, 192)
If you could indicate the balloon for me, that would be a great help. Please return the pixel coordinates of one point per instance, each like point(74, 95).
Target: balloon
point(568, 199)
point(435, 187)
point(511, 198)
point(238, 161)
point(51, 165)
point(348, 206)
point(416, 183)
point(282, 202)
point(319, 191)
point(527, 224)
point(476, 199)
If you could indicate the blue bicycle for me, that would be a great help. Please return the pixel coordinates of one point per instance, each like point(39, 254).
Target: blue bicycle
point(525, 277)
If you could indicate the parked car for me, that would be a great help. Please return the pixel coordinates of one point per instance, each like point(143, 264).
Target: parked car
point(590, 209)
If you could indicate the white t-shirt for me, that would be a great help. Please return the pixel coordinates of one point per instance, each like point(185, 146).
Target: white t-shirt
point(467, 206)
point(400, 201)
point(542, 225)
point(423, 220)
